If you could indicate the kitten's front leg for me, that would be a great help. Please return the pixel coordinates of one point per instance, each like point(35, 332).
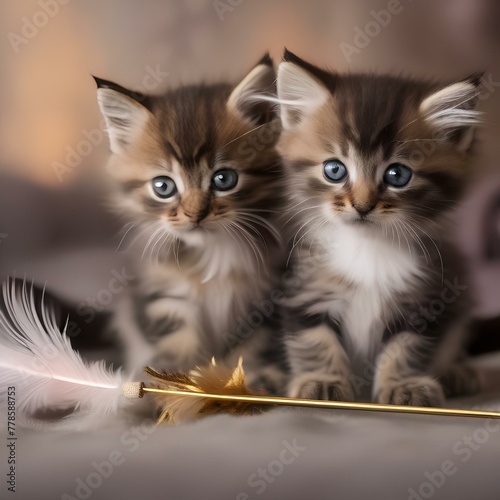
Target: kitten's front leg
point(179, 350)
point(175, 332)
point(398, 382)
point(319, 364)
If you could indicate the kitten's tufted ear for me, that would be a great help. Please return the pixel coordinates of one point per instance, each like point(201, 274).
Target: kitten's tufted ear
point(125, 113)
point(300, 90)
point(245, 98)
point(452, 111)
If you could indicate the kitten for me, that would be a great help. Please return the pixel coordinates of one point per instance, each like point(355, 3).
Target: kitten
point(200, 181)
point(374, 164)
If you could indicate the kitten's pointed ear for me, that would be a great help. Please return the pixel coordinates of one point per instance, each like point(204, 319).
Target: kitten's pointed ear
point(452, 111)
point(244, 99)
point(124, 115)
point(300, 92)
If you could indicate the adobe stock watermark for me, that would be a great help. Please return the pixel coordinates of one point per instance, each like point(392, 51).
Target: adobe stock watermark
point(93, 138)
point(430, 314)
point(223, 7)
point(463, 448)
point(103, 469)
point(75, 154)
point(32, 25)
point(259, 140)
point(364, 36)
point(487, 86)
point(260, 480)
point(117, 283)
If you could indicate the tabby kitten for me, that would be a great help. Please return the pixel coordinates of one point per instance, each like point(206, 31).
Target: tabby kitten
point(199, 180)
point(379, 296)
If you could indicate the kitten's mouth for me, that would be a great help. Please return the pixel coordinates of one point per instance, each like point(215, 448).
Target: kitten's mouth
point(362, 220)
point(193, 227)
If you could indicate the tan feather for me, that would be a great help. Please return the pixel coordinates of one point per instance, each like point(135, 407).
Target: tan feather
point(210, 379)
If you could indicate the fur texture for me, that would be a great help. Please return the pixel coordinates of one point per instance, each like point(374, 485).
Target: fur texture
point(199, 183)
point(381, 295)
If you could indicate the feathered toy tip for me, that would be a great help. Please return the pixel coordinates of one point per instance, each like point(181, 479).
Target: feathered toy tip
point(179, 405)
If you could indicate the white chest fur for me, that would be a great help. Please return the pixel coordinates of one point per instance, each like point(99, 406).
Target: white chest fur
point(379, 271)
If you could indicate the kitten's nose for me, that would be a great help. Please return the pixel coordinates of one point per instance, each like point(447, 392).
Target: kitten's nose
point(363, 208)
point(195, 206)
point(198, 216)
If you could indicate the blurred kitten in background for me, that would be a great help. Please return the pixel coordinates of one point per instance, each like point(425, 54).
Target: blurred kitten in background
point(199, 181)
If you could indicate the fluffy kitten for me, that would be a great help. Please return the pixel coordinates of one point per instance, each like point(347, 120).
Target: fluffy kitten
point(378, 292)
point(200, 181)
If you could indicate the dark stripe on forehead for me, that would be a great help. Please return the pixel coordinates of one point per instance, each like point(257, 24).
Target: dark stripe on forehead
point(189, 117)
point(205, 148)
point(385, 139)
point(348, 133)
point(373, 108)
point(173, 150)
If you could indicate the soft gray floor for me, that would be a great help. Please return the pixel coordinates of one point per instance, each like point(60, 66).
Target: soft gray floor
point(335, 456)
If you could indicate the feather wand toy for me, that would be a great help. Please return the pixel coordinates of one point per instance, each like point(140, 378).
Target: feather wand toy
point(231, 395)
point(57, 389)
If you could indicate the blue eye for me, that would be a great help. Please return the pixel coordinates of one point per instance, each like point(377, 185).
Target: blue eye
point(224, 180)
point(164, 187)
point(397, 175)
point(334, 170)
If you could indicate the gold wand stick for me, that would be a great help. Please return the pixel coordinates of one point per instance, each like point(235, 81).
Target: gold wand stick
point(137, 389)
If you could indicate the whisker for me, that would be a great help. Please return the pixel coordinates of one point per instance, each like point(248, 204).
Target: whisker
point(417, 239)
point(248, 239)
point(295, 242)
point(254, 219)
point(132, 225)
point(300, 211)
point(149, 241)
point(242, 135)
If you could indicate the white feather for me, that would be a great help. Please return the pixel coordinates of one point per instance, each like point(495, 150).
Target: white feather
point(48, 376)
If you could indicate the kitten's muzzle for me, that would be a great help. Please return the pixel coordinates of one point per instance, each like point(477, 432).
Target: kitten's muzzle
point(364, 208)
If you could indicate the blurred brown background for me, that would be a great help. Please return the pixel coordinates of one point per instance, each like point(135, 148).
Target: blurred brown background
point(52, 148)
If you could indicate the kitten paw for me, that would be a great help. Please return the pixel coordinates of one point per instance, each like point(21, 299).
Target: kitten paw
point(324, 387)
point(411, 391)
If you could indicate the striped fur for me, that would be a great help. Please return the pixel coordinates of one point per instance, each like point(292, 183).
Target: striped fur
point(208, 256)
point(380, 296)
